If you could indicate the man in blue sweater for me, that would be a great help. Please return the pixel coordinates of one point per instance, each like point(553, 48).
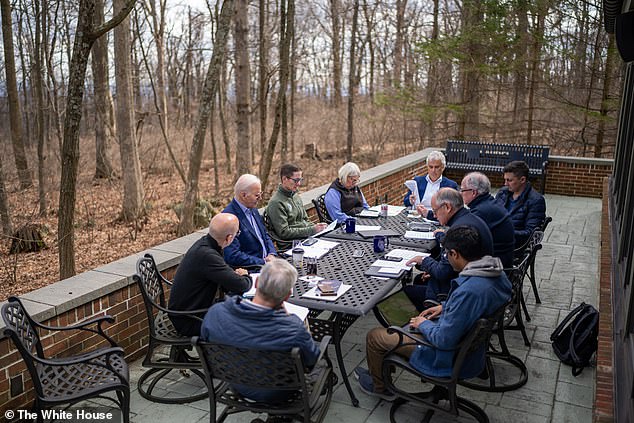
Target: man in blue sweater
point(448, 207)
point(262, 323)
point(480, 289)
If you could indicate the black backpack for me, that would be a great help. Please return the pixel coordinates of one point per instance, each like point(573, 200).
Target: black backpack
point(575, 342)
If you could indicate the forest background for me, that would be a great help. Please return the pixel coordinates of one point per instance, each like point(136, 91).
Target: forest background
point(125, 123)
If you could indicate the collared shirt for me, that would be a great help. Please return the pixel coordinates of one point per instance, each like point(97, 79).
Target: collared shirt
point(249, 214)
point(430, 190)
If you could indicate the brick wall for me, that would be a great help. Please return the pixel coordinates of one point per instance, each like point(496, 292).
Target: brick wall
point(566, 176)
point(603, 410)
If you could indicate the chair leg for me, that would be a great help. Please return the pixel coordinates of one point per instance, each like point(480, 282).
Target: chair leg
point(522, 328)
point(531, 277)
point(523, 303)
point(395, 405)
point(473, 409)
point(125, 404)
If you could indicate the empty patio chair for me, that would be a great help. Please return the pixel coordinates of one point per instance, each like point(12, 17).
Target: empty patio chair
point(68, 380)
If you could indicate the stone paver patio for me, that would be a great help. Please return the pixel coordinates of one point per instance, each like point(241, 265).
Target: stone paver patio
point(567, 272)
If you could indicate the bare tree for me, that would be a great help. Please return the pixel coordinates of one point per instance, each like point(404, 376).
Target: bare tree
point(352, 80)
point(186, 224)
point(15, 115)
point(335, 7)
point(85, 35)
point(104, 113)
point(5, 215)
point(287, 19)
point(133, 194)
point(242, 78)
point(38, 85)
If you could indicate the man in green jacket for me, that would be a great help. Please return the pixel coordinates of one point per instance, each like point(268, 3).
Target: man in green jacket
point(287, 218)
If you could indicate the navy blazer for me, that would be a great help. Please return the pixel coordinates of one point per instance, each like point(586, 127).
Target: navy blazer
point(421, 182)
point(528, 213)
point(499, 222)
point(246, 249)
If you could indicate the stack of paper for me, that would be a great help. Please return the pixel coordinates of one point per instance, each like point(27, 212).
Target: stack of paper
point(419, 235)
point(299, 311)
point(368, 213)
point(328, 228)
point(314, 293)
point(317, 250)
point(391, 210)
point(405, 254)
point(361, 228)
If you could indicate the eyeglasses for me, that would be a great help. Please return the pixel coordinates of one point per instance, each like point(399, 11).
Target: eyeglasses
point(354, 179)
point(435, 210)
point(296, 180)
point(466, 189)
point(237, 233)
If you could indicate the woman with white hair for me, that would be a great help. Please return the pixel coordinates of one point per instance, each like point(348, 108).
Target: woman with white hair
point(344, 199)
point(429, 184)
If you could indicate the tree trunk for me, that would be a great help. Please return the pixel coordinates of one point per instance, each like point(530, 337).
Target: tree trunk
point(536, 48)
point(522, 49)
point(157, 15)
point(15, 116)
point(133, 194)
point(336, 51)
point(103, 100)
point(401, 5)
point(242, 78)
point(5, 215)
point(287, 28)
point(352, 81)
point(470, 120)
point(605, 96)
point(186, 224)
point(263, 65)
point(85, 36)
point(38, 85)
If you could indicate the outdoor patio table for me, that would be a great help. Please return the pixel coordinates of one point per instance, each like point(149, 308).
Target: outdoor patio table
point(396, 223)
point(364, 295)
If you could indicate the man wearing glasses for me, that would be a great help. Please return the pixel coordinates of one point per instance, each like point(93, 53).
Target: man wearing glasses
point(448, 207)
point(287, 218)
point(203, 270)
point(253, 247)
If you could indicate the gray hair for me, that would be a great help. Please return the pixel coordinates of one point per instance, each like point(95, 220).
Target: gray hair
point(276, 280)
point(449, 196)
point(349, 169)
point(244, 182)
point(436, 156)
point(477, 181)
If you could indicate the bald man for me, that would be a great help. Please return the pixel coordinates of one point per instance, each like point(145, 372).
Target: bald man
point(203, 270)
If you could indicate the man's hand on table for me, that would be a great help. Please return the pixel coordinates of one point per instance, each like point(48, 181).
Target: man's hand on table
point(320, 227)
point(269, 258)
point(241, 272)
point(414, 260)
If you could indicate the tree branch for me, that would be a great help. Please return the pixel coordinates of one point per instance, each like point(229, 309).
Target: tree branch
point(114, 21)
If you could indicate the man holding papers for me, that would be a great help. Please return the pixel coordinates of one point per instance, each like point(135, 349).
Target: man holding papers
point(428, 185)
point(448, 207)
point(288, 219)
point(262, 323)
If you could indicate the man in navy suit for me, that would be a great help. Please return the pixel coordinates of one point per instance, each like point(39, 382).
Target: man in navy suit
point(253, 246)
point(429, 184)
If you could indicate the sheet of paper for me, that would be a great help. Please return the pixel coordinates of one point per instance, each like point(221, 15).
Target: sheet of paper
point(315, 295)
point(367, 228)
point(317, 250)
point(419, 235)
point(413, 186)
point(392, 264)
point(328, 228)
point(299, 311)
point(311, 279)
point(390, 270)
point(368, 213)
point(391, 210)
point(251, 292)
point(406, 254)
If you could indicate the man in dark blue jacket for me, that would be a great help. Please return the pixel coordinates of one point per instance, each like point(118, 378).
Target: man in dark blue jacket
point(429, 184)
point(262, 323)
point(448, 208)
point(526, 206)
point(480, 290)
point(475, 188)
point(253, 246)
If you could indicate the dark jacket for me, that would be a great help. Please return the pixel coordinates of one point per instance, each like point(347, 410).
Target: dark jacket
point(499, 222)
point(246, 249)
point(421, 183)
point(197, 279)
point(480, 290)
point(240, 323)
point(528, 213)
point(440, 270)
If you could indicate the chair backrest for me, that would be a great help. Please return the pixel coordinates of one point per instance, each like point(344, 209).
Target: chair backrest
point(545, 224)
point(534, 245)
point(22, 330)
point(478, 337)
point(259, 369)
point(150, 282)
point(320, 206)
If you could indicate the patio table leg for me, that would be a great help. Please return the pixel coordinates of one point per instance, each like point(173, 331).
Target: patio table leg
point(337, 336)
